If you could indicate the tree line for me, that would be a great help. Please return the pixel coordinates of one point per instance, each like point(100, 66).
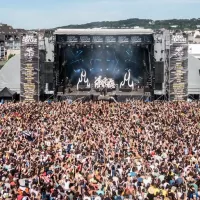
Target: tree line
point(182, 24)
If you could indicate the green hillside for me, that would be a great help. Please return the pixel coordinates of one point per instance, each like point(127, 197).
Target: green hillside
point(182, 24)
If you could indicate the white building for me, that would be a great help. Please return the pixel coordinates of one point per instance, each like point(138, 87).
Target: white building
point(12, 44)
point(2, 52)
point(194, 50)
point(193, 36)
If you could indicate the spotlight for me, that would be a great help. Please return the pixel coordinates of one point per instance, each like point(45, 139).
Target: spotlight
point(107, 69)
point(101, 70)
point(99, 46)
point(107, 46)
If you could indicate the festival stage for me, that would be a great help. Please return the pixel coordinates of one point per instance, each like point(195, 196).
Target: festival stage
point(89, 60)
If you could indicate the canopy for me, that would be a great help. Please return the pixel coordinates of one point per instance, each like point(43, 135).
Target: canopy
point(6, 93)
point(99, 31)
point(10, 74)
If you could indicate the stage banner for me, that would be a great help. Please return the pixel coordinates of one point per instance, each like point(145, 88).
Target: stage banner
point(110, 39)
point(85, 39)
point(29, 71)
point(138, 39)
point(72, 39)
point(123, 39)
point(96, 39)
point(178, 68)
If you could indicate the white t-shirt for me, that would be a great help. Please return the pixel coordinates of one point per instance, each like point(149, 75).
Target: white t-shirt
point(97, 198)
point(66, 185)
point(120, 171)
point(86, 198)
point(25, 198)
point(147, 181)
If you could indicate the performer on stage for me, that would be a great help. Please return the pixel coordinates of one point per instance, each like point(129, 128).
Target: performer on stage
point(101, 90)
point(105, 91)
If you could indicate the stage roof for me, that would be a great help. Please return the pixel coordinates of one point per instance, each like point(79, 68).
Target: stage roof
point(138, 31)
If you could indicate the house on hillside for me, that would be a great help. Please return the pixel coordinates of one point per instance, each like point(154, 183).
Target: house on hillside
point(9, 40)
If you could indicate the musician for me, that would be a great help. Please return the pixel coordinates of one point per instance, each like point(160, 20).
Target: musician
point(105, 91)
point(68, 84)
point(66, 81)
point(101, 89)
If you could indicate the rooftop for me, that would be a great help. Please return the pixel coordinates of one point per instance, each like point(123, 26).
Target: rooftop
point(6, 30)
point(138, 31)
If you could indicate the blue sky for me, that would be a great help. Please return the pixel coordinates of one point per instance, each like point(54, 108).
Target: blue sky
point(53, 13)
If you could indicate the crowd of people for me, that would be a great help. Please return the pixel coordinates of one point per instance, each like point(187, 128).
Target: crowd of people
point(100, 150)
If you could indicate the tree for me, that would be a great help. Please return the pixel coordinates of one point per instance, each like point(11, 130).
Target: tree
point(10, 56)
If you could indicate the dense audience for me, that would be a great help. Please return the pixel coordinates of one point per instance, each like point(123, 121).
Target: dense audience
point(100, 150)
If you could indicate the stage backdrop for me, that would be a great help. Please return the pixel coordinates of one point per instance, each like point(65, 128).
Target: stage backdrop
point(29, 90)
point(178, 67)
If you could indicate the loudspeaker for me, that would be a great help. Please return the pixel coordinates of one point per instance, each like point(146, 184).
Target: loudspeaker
point(83, 88)
point(108, 90)
point(158, 86)
point(125, 89)
point(92, 97)
point(159, 72)
point(61, 89)
point(50, 86)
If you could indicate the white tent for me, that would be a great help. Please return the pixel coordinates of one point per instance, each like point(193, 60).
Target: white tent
point(10, 74)
point(193, 75)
